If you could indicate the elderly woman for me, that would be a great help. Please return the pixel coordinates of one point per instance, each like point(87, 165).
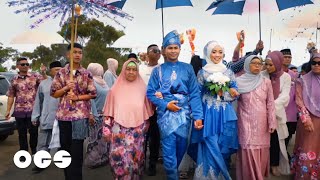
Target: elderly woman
point(97, 149)
point(281, 84)
point(110, 75)
point(127, 109)
point(306, 159)
point(256, 120)
point(218, 139)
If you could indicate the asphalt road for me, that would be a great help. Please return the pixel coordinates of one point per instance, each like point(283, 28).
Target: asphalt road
point(8, 171)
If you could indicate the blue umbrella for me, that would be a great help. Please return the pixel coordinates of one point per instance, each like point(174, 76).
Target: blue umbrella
point(159, 4)
point(232, 7)
point(118, 4)
point(170, 3)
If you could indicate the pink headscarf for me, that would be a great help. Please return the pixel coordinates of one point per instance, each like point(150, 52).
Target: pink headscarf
point(96, 70)
point(311, 93)
point(277, 60)
point(127, 102)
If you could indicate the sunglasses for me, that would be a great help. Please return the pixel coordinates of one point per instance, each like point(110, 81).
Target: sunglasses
point(315, 63)
point(24, 64)
point(155, 51)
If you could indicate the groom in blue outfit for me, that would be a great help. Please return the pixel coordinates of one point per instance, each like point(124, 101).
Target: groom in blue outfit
point(178, 85)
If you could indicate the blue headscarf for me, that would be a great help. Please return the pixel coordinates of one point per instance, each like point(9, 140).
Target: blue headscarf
point(171, 38)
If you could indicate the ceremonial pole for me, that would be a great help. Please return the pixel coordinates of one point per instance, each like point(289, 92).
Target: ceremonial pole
point(72, 44)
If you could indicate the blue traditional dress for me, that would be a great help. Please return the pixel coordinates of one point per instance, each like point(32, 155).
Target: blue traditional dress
point(176, 81)
point(212, 147)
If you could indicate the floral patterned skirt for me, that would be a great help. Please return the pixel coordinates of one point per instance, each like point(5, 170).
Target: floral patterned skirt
point(97, 149)
point(305, 162)
point(127, 151)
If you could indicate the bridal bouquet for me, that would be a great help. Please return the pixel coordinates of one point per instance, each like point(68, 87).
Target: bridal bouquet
point(217, 83)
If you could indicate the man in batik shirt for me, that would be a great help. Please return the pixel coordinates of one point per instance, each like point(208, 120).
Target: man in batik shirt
point(74, 110)
point(22, 92)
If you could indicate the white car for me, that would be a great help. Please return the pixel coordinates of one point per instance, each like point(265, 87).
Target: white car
point(7, 127)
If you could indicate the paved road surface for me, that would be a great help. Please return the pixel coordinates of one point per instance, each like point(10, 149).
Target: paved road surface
point(8, 171)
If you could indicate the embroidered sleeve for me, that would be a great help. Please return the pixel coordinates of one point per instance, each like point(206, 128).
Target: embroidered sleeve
point(302, 110)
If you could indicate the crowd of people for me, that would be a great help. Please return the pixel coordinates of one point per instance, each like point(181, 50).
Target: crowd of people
point(198, 115)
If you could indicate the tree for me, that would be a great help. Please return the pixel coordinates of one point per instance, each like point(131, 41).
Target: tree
point(7, 53)
point(98, 38)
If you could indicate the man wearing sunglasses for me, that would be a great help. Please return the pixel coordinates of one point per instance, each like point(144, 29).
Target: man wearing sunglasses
point(153, 56)
point(23, 89)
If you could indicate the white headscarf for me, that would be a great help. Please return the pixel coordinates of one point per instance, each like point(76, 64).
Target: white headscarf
point(211, 67)
point(96, 70)
point(112, 65)
point(248, 81)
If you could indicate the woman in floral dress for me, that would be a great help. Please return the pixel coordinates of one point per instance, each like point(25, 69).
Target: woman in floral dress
point(97, 151)
point(306, 160)
point(126, 110)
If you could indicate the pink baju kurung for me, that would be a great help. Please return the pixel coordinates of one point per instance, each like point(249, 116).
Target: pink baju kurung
point(256, 115)
point(305, 162)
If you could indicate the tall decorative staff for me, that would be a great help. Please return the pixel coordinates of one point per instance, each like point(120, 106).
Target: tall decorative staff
point(78, 13)
point(72, 43)
point(48, 9)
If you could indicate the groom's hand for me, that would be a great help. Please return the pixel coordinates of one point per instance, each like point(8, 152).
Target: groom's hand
point(173, 107)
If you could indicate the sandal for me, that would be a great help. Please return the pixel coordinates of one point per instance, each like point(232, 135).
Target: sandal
point(275, 171)
point(183, 175)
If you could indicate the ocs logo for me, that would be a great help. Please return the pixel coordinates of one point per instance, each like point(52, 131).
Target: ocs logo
point(42, 159)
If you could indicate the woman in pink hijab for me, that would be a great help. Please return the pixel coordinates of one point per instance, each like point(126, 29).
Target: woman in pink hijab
point(306, 159)
point(127, 110)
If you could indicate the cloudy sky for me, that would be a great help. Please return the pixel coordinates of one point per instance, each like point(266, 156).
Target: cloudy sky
point(291, 28)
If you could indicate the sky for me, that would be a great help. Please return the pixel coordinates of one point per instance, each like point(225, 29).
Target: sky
point(145, 28)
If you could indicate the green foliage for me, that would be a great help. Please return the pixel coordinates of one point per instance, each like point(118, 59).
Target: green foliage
point(95, 35)
point(214, 88)
point(7, 53)
point(98, 37)
point(2, 69)
point(92, 30)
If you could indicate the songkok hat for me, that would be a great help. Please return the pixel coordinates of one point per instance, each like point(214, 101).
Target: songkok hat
point(286, 52)
point(171, 38)
point(55, 64)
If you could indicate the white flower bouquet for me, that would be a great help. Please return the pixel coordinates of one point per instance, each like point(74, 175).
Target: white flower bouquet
point(217, 83)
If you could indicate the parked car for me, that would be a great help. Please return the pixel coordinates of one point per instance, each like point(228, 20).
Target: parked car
point(7, 127)
point(8, 75)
